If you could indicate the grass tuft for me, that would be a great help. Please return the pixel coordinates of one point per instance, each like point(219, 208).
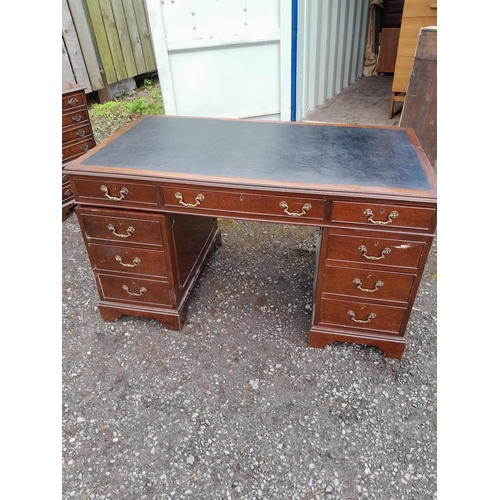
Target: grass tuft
point(109, 117)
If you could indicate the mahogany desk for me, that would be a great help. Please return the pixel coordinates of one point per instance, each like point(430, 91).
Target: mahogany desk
point(148, 199)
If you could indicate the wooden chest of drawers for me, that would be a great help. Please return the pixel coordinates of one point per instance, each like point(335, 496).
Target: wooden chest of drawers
point(149, 197)
point(369, 272)
point(77, 135)
point(146, 264)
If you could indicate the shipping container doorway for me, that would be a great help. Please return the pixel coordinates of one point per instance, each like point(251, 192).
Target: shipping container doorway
point(262, 59)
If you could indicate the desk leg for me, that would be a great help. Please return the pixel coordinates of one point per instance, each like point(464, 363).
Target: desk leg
point(391, 347)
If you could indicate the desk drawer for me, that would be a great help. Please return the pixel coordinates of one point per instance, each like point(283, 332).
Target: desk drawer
point(383, 216)
point(77, 149)
point(124, 227)
point(77, 133)
point(286, 206)
point(73, 101)
point(374, 251)
point(128, 259)
point(66, 191)
point(372, 284)
point(119, 193)
point(132, 289)
point(77, 117)
point(361, 315)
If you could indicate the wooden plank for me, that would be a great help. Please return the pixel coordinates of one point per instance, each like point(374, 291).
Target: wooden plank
point(145, 34)
point(67, 70)
point(420, 108)
point(113, 40)
point(404, 65)
point(418, 8)
point(124, 38)
point(73, 48)
point(410, 27)
point(135, 39)
point(407, 46)
point(82, 28)
point(427, 45)
point(400, 83)
point(389, 38)
point(101, 40)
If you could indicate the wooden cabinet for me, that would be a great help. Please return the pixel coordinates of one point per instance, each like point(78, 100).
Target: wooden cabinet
point(368, 279)
point(77, 135)
point(146, 264)
point(417, 14)
point(148, 215)
point(388, 41)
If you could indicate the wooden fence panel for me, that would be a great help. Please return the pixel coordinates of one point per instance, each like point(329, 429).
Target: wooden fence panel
point(122, 36)
point(90, 56)
point(67, 70)
point(72, 46)
point(121, 27)
point(135, 40)
point(141, 14)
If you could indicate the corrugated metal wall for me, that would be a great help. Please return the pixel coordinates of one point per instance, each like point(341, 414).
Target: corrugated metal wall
point(330, 49)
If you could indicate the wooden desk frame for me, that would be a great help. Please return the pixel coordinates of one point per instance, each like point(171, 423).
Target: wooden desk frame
point(149, 233)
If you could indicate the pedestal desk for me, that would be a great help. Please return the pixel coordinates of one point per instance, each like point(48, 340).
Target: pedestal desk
point(149, 197)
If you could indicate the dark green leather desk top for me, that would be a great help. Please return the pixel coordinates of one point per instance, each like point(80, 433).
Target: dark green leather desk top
point(269, 151)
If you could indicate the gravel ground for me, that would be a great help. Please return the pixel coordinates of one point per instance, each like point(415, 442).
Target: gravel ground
point(236, 406)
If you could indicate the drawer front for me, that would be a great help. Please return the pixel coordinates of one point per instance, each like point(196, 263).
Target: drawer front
point(128, 259)
point(79, 117)
point(371, 284)
point(361, 315)
point(77, 134)
point(73, 101)
point(374, 251)
point(132, 289)
point(120, 193)
point(286, 206)
point(383, 216)
point(76, 150)
point(66, 191)
point(126, 229)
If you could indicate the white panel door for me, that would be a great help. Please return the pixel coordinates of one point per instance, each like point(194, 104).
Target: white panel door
point(223, 58)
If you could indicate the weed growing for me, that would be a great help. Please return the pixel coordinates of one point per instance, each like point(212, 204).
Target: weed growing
point(109, 117)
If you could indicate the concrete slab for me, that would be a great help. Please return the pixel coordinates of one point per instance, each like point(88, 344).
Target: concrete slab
point(365, 102)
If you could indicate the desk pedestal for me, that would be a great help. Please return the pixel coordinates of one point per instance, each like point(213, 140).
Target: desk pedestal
point(146, 264)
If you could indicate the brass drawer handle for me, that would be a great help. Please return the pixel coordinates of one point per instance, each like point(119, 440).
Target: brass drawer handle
point(73, 101)
point(123, 192)
point(307, 206)
point(85, 147)
point(142, 291)
point(392, 215)
point(80, 133)
point(199, 198)
point(77, 118)
point(129, 232)
point(359, 284)
point(135, 262)
point(367, 320)
point(383, 253)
